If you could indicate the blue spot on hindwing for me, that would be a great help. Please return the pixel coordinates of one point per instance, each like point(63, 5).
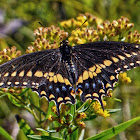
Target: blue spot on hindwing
point(50, 87)
point(64, 88)
point(86, 85)
point(94, 85)
point(57, 90)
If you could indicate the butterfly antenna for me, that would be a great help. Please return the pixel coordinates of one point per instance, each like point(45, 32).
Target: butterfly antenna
point(44, 27)
point(41, 24)
point(76, 29)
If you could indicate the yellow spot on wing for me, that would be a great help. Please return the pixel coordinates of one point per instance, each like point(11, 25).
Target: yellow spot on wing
point(88, 95)
point(67, 81)
point(51, 96)
point(90, 74)
point(125, 66)
point(95, 95)
point(16, 83)
point(128, 55)
point(98, 70)
point(94, 74)
point(43, 92)
point(1, 83)
point(6, 74)
point(138, 62)
point(85, 75)
point(80, 79)
point(8, 83)
point(55, 79)
point(51, 73)
point(108, 85)
point(92, 68)
point(67, 98)
point(131, 64)
point(45, 74)
point(21, 74)
point(134, 53)
point(59, 99)
point(14, 73)
point(121, 57)
point(107, 62)
point(115, 59)
point(60, 78)
point(102, 65)
point(112, 77)
point(38, 74)
point(29, 73)
point(98, 66)
point(25, 83)
point(101, 91)
point(50, 79)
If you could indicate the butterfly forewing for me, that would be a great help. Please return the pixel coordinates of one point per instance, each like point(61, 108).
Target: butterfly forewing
point(27, 70)
point(99, 63)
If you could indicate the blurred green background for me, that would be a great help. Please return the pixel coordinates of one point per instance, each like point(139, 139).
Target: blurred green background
point(18, 20)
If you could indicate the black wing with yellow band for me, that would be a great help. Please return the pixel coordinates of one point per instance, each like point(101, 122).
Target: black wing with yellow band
point(43, 72)
point(28, 70)
point(99, 64)
point(89, 69)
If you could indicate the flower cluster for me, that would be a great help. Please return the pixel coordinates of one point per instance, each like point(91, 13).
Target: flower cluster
point(47, 38)
point(8, 54)
point(124, 78)
point(72, 24)
point(98, 109)
point(133, 37)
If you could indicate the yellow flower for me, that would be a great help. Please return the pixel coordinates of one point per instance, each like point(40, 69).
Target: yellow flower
point(98, 109)
point(124, 78)
point(81, 124)
point(8, 54)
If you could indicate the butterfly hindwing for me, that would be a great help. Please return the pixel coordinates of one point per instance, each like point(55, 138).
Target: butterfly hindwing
point(99, 64)
point(58, 88)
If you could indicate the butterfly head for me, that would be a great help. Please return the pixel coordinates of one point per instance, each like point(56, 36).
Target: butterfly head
point(64, 42)
point(65, 49)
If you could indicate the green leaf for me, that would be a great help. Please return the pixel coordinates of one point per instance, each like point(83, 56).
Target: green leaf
point(37, 137)
point(118, 100)
point(24, 126)
point(5, 134)
point(51, 104)
point(23, 92)
point(113, 110)
point(49, 131)
point(74, 135)
point(14, 100)
point(105, 135)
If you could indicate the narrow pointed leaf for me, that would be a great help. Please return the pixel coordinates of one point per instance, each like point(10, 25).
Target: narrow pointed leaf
point(105, 135)
point(37, 137)
point(5, 134)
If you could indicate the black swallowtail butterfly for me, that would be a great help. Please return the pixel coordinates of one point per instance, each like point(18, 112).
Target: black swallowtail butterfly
point(90, 69)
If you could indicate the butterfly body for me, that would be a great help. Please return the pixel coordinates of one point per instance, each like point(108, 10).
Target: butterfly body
point(90, 70)
point(67, 59)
